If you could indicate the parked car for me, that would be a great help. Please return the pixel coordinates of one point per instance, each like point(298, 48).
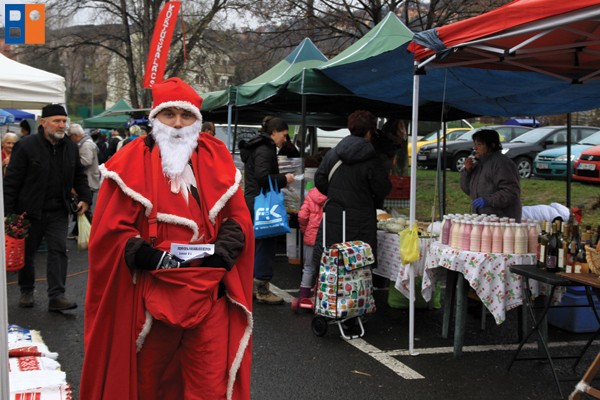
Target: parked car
point(586, 168)
point(451, 134)
point(457, 151)
point(523, 149)
point(552, 163)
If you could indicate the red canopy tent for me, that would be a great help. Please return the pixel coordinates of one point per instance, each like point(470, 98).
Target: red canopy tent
point(558, 38)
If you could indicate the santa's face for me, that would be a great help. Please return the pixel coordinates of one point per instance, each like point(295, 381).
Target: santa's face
point(176, 139)
point(176, 117)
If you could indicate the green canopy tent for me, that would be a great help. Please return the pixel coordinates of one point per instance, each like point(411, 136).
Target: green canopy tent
point(105, 120)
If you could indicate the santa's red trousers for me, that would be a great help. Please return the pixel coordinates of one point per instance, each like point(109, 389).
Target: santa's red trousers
point(201, 353)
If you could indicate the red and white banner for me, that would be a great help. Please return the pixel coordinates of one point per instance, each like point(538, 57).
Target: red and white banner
point(161, 42)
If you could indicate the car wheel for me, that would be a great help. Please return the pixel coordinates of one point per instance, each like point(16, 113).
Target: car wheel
point(524, 167)
point(458, 162)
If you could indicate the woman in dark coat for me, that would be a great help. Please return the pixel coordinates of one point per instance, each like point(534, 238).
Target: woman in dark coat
point(259, 155)
point(493, 181)
point(357, 185)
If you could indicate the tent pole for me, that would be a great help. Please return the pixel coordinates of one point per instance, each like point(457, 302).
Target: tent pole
point(413, 200)
point(442, 190)
point(569, 165)
point(4, 389)
point(229, 118)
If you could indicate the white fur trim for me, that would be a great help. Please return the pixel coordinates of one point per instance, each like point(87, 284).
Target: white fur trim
point(237, 362)
point(139, 342)
point(126, 189)
point(212, 214)
point(176, 220)
point(185, 105)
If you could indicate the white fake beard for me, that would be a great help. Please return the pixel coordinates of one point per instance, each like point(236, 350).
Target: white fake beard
point(176, 145)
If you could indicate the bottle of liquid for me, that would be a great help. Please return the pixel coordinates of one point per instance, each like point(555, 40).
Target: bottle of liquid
point(486, 238)
point(475, 240)
point(497, 238)
point(573, 247)
point(508, 240)
point(562, 247)
point(543, 240)
point(457, 225)
point(532, 238)
point(581, 265)
point(552, 250)
point(466, 239)
point(446, 225)
point(521, 238)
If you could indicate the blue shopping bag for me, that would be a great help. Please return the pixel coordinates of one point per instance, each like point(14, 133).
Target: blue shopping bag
point(270, 216)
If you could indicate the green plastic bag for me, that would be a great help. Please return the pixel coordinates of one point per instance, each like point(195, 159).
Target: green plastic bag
point(398, 300)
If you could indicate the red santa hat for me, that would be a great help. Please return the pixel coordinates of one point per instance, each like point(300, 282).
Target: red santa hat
point(174, 92)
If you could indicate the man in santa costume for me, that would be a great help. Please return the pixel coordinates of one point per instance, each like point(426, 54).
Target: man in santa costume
point(156, 326)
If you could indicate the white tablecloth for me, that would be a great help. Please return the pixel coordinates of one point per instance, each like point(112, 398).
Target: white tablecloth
point(389, 262)
point(488, 274)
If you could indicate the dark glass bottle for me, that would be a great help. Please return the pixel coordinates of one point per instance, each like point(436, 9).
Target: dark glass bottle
point(562, 246)
point(552, 250)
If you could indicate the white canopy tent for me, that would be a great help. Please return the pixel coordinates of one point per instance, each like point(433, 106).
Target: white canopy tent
point(21, 86)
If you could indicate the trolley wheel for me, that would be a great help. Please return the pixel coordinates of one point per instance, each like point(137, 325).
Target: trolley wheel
point(319, 325)
point(295, 304)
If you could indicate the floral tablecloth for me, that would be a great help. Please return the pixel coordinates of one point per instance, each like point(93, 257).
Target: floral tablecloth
point(389, 262)
point(487, 273)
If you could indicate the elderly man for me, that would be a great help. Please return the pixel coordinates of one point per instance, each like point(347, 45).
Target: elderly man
point(88, 155)
point(157, 326)
point(44, 168)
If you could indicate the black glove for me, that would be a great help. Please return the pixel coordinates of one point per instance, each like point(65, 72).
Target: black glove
point(139, 254)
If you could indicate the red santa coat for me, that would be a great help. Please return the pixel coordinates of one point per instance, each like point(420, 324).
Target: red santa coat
point(116, 318)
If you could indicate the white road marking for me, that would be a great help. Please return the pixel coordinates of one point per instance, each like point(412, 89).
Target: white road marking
point(386, 357)
point(387, 360)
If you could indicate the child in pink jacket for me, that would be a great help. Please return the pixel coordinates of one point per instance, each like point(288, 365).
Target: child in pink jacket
point(309, 218)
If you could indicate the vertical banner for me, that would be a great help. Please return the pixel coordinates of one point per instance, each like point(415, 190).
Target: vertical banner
point(161, 42)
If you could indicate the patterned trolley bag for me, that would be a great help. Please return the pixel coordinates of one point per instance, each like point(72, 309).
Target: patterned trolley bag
point(345, 285)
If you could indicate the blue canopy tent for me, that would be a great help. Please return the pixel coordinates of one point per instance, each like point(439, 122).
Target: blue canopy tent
point(20, 114)
point(6, 117)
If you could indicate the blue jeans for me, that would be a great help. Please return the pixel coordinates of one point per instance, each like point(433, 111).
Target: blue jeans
point(53, 226)
point(264, 258)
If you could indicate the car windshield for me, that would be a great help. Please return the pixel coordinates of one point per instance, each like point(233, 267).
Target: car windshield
point(467, 136)
point(593, 140)
point(431, 136)
point(533, 136)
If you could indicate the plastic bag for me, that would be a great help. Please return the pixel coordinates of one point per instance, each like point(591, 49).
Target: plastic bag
point(270, 215)
point(84, 227)
point(409, 244)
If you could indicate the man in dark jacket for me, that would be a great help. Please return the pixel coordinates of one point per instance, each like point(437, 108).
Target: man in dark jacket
point(44, 169)
point(357, 184)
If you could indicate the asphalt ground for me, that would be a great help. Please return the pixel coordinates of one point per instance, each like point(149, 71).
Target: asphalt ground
point(290, 362)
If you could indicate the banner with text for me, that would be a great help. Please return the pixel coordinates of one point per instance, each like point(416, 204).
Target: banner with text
point(161, 42)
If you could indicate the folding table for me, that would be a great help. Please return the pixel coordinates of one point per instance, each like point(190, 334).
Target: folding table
point(554, 280)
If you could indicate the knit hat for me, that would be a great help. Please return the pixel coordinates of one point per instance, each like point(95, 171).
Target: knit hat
point(175, 93)
point(53, 109)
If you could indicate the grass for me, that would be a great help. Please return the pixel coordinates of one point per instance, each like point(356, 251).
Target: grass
point(533, 192)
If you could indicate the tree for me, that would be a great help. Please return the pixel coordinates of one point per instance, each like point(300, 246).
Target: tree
point(335, 24)
point(124, 29)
